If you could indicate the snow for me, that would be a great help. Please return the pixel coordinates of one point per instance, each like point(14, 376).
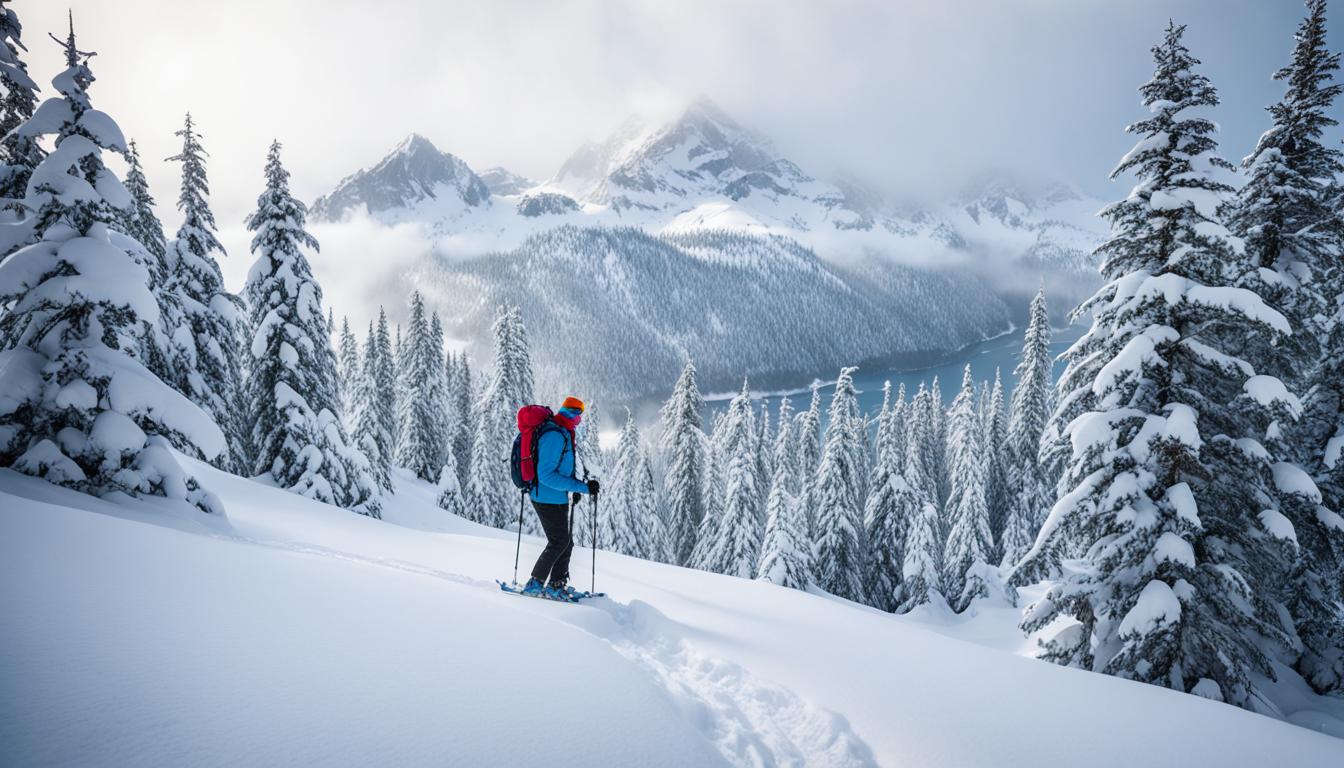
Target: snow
point(1290, 478)
point(1170, 547)
point(1277, 525)
point(297, 633)
point(1269, 390)
point(1156, 607)
point(1333, 448)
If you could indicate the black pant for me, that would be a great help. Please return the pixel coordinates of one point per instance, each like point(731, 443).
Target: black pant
point(554, 560)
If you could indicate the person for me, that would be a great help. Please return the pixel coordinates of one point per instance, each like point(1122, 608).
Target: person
point(550, 497)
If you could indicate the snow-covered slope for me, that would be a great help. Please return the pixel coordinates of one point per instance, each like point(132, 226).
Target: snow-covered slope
point(294, 633)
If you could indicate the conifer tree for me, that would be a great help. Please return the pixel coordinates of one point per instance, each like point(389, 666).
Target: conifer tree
point(924, 431)
point(684, 449)
point(145, 227)
point(371, 408)
point(921, 563)
point(462, 427)
point(786, 552)
point(1168, 483)
point(785, 449)
point(936, 441)
point(300, 443)
point(20, 153)
point(631, 523)
point(450, 491)
point(80, 408)
point(969, 541)
point(839, 563)
point(1283, 212)
point(885, 517)
point(1288, 215)
point(439, 390)
point(350, 365)
point(993, 433)
point(489, 490)
point(418, 419)
point(763, 448)
point(1028, 494)
point(213, 315)
point(809, 458)
point(735, 549)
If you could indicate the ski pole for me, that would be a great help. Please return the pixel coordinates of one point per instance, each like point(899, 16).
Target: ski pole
point(518, 549)
point(594, 585)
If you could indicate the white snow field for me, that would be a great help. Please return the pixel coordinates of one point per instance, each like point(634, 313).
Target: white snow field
point(294, 633)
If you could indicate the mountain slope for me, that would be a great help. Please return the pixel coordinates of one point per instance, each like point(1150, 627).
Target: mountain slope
point(618, 311)
point(296, 633)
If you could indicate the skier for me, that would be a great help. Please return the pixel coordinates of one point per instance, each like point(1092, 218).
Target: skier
point(550, 496)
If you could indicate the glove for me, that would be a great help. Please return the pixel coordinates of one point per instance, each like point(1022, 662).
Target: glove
point(593, 487)
point(576, 498)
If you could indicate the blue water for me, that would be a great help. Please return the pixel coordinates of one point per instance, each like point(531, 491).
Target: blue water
point(1002, 353)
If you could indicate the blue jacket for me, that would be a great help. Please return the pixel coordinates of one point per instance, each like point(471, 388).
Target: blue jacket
point(555, 469)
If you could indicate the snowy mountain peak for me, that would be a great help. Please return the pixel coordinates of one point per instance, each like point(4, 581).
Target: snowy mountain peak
point(503, 182)
point(414, 174)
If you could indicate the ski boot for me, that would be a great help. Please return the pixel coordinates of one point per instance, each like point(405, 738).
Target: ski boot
point(534, 588)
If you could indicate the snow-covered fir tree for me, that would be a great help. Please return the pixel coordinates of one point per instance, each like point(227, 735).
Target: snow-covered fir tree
point(765, 461)
point(936, 441)
point(735, 549)
point(712, 490)
point(785, 449)
point(462, 396)
point(839, 562)
point(450, 490)
point(371, 414)
point(419, 417)
point(1028, 494)
point(350, 362)
point(80, 407)
point(1168, 481)
point(144, 225)
point(885, 518)
point(922, 553)
point(969, 541)
point(1287, 213)
point(924, 430)
point(684, 449)
point(631, 523)
point(439, 390)
point(162, 349)
point(808, 428)
point(20, 152)
point(1283, 211)
point(786, 551)
point(213, 316)
point(490, 494)
point(994, 433)
point(300, 443)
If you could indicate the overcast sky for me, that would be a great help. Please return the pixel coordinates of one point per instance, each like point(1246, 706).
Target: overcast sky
point(912, 95)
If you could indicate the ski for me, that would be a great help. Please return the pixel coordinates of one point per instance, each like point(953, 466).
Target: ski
point(576, 596)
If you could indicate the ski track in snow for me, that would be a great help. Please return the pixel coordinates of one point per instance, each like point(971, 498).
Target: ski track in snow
point(752, 722)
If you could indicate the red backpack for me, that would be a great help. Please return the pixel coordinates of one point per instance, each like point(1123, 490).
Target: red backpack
point(533, 422)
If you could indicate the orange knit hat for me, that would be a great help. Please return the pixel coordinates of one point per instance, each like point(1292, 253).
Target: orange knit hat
point(573, 402)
